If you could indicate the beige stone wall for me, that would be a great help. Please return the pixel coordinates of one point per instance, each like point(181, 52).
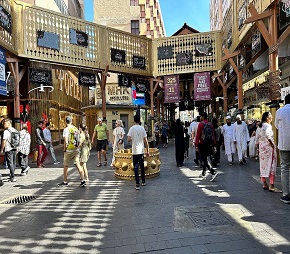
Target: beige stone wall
point(48, 4)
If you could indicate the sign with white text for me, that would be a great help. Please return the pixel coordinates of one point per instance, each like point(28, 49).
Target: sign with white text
point(3, 90)
point(171, 89)
point(202, 86)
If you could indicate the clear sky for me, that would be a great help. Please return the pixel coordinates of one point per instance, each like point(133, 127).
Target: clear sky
point(175, 13)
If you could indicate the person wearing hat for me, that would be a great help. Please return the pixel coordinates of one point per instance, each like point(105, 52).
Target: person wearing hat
point(227, 132)
point(71, 152)
point(102, 133)
point(241, 138)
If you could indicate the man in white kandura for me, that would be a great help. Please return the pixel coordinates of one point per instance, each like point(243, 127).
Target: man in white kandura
point(230, 147)
point(241, 138)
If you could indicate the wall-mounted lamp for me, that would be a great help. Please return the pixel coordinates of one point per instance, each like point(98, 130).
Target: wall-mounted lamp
point(41, 88)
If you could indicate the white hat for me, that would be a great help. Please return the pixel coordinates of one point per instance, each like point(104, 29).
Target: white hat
point(239, 117)
point(99, 119)
point(228, 117)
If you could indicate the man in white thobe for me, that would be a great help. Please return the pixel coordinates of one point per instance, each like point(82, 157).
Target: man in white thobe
point(241, 138)
point(192, 132)
point(230, 147)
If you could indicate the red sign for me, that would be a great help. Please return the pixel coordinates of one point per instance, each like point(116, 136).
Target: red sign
point(202, 86)
point(171, 89)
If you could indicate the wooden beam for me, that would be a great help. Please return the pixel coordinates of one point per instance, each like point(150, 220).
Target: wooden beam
point(260, 16)
point(227, 52)
point(230, 55)
point(261, 26)
point(260, 52)
point(284, 35)
point(23, 70)
point(105, 74)
point(215, 75)
point(12, 60)
point(232, 80)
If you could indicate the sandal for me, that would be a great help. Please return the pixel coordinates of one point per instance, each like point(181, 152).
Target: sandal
point(274, 189)
point(105, 162)
point(99, 165)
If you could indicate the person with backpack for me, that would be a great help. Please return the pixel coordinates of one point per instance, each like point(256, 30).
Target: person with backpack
point(204, 142)
point(71, 136)
point(10, 143)
point(24, 149)
point(241, 138)
point(41, 145)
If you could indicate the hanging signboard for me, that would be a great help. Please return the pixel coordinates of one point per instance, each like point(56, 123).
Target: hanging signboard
point(256, 42)
point(40, 76)
point(284, 92)
point(171, 89)
point(87, 79)
point(284, 14)
point(165, 52)
point(5, 20)
point(139, 62)
point(78, 38)
point(3, 90)
point(184, 58)
point(204, 49)
point(202, 86)
point(124, 80)
point(137, 98)
point(118, 56)
point(47, 40)
point(141, 87)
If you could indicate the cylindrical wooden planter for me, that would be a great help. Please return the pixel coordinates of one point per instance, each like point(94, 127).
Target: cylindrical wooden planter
point(124, 168)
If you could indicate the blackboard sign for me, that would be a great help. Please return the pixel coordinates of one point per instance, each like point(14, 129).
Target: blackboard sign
point(165, 52)
point(87, 79)
point(184, 58)
point(5, 20)
point(78, 38)
point(48, 40)
point(124, 80)
point(40, 76)
point(139, 62)
point(204, 49)
point(118, 56)
point(141, 87)
point(284, 14)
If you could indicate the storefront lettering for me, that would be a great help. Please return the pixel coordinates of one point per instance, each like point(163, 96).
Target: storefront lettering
point(68, 85)
point(117, 90)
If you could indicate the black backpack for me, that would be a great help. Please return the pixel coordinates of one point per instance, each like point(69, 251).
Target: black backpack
point(15, 139)
point(207, 134)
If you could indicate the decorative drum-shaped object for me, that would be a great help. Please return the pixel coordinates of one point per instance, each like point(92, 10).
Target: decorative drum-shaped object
point(124, 168)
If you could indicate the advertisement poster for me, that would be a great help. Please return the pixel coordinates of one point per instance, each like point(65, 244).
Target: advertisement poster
point(171, 89)
point(3, 90)
point(202, 86)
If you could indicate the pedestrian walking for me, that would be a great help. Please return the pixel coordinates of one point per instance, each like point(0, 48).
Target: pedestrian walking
point(138, 136)
point(228, 134)
point(156, 134)
point(204, 142)
point(186, 142)
point(164, 134)
point(218, 141)
point(267, 152)
point(48, 141)
point(179, 143)
point(282, 123)
point(24, 150)
point(40, 145)
point(118, 139)
point(102, 133)
point(241, 138)
point(8, 146)
point(85, 149)
point(71, 152)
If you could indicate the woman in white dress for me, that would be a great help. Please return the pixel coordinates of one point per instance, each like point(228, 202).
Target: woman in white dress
point(118, 139)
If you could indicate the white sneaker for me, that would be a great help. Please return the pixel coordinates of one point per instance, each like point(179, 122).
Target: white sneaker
point(57, 162)
point(26, 170)
point(213, 177)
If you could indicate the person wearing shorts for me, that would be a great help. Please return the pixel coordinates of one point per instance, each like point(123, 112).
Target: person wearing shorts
point(71, 154)
point(102, 133)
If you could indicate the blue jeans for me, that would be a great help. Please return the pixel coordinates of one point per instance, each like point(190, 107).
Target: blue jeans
point(138, 160)
point(49, 147)
point(285, 171)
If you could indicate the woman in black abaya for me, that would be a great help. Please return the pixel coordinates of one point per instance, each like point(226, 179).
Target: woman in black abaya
point(179, 143)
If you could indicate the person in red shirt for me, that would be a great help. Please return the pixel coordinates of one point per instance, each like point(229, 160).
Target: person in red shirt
point(203, 143)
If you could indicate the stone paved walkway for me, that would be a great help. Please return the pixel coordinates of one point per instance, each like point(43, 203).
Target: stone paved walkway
point(177, 212)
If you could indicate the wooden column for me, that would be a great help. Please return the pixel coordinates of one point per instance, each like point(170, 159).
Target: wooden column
point(13, 63)
point(103, 81)
point(229, 56)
